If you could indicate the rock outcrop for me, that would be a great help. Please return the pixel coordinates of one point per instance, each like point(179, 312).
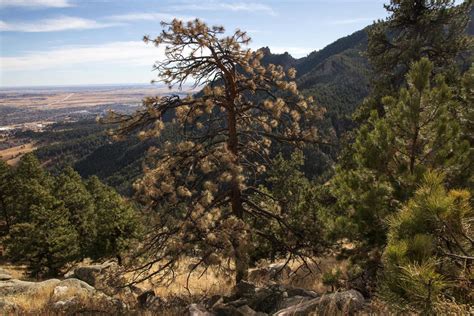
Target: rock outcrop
point(4, 275)
point(70, 296)
point(96, 275)
point(278, 300)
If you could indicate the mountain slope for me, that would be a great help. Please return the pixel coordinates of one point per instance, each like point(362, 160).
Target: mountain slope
point(337, 76)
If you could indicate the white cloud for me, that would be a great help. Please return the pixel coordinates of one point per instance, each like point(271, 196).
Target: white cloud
point(130, 53)
point(147, 17)
point(127, 53)
point(219, 6)
point(54, 24)
point(36, 3)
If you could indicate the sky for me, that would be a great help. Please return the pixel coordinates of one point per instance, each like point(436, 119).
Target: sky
point(81, 42)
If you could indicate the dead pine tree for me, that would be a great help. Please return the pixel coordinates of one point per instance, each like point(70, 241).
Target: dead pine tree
point(202, 185)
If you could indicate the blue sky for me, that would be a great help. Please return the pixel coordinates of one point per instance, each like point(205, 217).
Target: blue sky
point(69, 42)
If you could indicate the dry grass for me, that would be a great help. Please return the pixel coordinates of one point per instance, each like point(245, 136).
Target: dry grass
point(312, 280)
point(16, 271)
point(12, 155)
point(205, 283)
point(34, 300)
point(201, 282)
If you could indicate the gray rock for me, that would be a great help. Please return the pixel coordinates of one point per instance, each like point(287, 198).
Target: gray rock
point(244, 289)
point(292, 301)
point(72, 296)
point(198, 310)
point(340, 303)
point(5, 277)
point(227, 310)
point(268, 299)
point(247, 311)
point(301, 292)
point(214, 300)
point(14, 287)
point(347, 302)
point(91, 273)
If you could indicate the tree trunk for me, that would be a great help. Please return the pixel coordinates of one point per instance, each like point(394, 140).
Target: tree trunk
point(241, 262)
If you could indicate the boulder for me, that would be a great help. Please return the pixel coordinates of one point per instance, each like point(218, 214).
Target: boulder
point(73, 296)
point(91, 274)
point(13, 287)
point(246, 310)
point(347, 302)
point(198, 310)
point(214, 300)
point(292, 301)
point(72, 287)
point(4, 275)
point(267, 300)
point(294, 291)
point(244, 289)
point(340, 303)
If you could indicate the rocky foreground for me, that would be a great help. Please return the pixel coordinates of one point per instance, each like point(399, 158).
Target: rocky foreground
point(88, 290)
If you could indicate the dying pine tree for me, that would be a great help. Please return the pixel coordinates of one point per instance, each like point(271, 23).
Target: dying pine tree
point(202, 186)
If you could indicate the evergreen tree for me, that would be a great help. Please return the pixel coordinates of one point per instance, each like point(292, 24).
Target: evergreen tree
point(466, 118)
point(27, 185)
point(5, 195)
point(79, 204)
point(45, 239)
point(117, 223)
point(415, 28)
point(227, 132)
point(392, 153)
point(289, 195)
point(430, 250)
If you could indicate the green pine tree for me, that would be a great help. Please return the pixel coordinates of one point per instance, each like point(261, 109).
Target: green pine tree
point(47, 240)
point(27, 183)
point(5, 193)
point(79, 203)
point(414, 29)
point(116, 223)
point(430, 250)
point(289, 195)
point(392, 153)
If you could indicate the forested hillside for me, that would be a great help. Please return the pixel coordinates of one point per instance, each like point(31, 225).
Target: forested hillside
point(338, 183)
point(338, 77)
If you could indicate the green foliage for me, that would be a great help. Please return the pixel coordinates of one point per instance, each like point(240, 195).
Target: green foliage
point(117, 222)
point(290, 195)
point(426, 260)
point(5, 194)
point(43, 234)
point(70, 188)
point(332, 278)
point(383, 168)
point(416, 29)
point(56, 220)
point(390, 154)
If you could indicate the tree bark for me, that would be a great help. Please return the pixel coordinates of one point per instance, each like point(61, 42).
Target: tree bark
point(241, 262)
